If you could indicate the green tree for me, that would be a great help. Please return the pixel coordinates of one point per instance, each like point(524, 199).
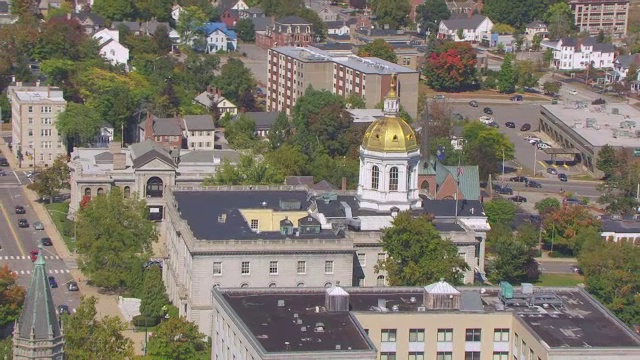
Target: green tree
point(485, 146)
point(191, 20)
point(154, 295)
point(500, 211)
point(612, 274)
point(547, 56)
point(512, 262)
point(608, 160)
point(23, 9)
point(632, 74)
point(516, 13)
point(287, 160)
point(11, 296)
point(619, 191)
point(162, 40)
point(114, 10)
point(52, 179)
point(552, 87)
point(87, 338)
point(380, 49)
point(6, 348)
point(235, 79)
point(355, 101)
point(528, 234)
point(178, 339)
point(526, 74)
point(565, 228)
point(507, 78)
point(197, 73)
point(452, 67)
point(547, 205)
point(241, 133)
point(560, 20)
point(430, 13)
point(460, 34)
point(78, 125)
point(391, 12)
point(248, 171)
point(154, 9)
point(417, 254)
point(503, 29)
point(63, 38)
point(280, 132)
point(246, 30)
point(114, 234)
point(450, 155)
point(536, 42)
point(332, 170)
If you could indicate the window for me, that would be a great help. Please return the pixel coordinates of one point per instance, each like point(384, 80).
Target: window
point(246, 268)
point(302, 267)
point(254, 224)
point(393, 179)
point(45, 109)
point(328, 267)
point(416, 356)
point(472, 335)
point(380, 280)
point(273, 268)
point(30, 120)
point(500, 355)
point(382, 257)
point(444, 355)
point(501, 335)
point(243, 285)
point(375, 177)
point(362, 259)
point(217, 268)
point(30, 131)
point(300, 284)
point(154, 187)
point(127, 191)
point(387, 356)
point(46, 121)
point(87, 192)
point(271, 285)
point(388, 335)
point(328, 284)
point(30, 109)
point(416, 335)
point(445, 335)
point(472, 355)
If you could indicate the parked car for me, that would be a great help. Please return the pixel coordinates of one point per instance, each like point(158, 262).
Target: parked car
point(552, 171)
point(473, 103)
point(573, 92)
point(4, 162)
point(510, 124)
point(33, 255)
point(45, 241)
point(525, 127)
point(517, 98)
point(486, 120)
point(533, 184)
point(52, 282)
point(73, 286)
point(493, 124)
point(518, 199)
point(534, 141)
point(519, 178)
point(20, 209)
point(542, 145)
point(458, 117)
point(63, 309)
point(38, 225)
point(576, 269)
point(571, 201)
point(23, 223)
point(562, 177)
point(488, 111)
point(505, 191)
point(439, 97)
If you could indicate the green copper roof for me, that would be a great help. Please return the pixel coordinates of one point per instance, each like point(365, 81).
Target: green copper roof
point(39, 318)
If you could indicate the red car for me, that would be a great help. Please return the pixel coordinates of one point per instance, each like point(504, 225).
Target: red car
point(33, 255)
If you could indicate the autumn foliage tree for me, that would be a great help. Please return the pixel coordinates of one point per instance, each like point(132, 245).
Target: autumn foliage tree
point(566, 227)
point(11, 296)
point(452, 67)
point(380, 49)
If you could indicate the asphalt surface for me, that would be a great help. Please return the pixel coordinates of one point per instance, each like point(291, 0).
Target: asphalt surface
point(17, 242)
point(555, 267)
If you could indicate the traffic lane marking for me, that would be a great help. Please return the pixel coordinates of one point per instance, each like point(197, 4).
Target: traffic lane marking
point(13, 231)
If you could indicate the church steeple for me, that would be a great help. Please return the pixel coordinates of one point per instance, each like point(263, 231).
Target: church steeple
point(38, 331)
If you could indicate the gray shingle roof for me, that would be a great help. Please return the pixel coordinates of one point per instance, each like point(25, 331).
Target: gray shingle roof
point(95, 18)
point(199, 123)
point(464, 23)
point(197, 156)
point(146, 151)
point(263, 120)
point(39, 313)
point(536, 24)
point(254, 10)
point(166, 127)
point(293, 20)
point(334, 24)
point(626, 60)
point(131, 25)
point(261, 23)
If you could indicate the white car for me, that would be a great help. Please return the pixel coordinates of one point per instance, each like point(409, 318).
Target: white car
point(486, 120)
point(529, 137)
point(534, 140)
point(573, 92)
point(543, 146)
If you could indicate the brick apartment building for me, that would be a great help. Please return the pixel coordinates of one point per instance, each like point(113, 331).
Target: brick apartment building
point(611, 16)
point(288, 31)
point(167, 132)
point(292, 69)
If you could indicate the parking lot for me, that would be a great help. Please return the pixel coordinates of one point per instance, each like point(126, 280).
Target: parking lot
point(527, 155)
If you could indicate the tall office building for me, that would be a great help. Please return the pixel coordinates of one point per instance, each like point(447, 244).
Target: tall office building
point(593, 16)
point(34, 111)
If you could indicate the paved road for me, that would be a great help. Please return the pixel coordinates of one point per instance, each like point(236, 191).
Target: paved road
point(556, 267)
point(553, 185)
point(18, 242)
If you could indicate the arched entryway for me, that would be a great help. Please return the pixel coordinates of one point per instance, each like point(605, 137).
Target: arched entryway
point(154, 187)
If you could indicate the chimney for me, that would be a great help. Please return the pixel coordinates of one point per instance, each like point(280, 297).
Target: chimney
point(37, 83)
point(148, 127)
point(119, 161)
point(48, 91)
point(344, 183)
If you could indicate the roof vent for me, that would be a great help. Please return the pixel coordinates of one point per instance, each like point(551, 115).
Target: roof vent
point(422, 308)
point(319, 328)
point(527, 288)
point(263, 204)
point(615, 111)
point(303, 328)
point(395, 308)
point(338, 347)
point(280, 303)
point(412, 299)
point(299, 321)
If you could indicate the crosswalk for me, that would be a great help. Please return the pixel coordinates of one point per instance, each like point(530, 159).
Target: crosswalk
point(9, 257)
point(28, 272)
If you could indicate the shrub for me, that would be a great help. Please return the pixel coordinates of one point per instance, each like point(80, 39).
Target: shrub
point(144, 321)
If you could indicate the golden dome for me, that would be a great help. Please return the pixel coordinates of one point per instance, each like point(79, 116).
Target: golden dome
point(390, 134)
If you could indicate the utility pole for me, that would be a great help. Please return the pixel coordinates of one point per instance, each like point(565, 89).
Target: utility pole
point(502, 165)
point(535, 159)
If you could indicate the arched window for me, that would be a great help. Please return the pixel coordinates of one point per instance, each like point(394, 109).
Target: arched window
point(300, 284)
point(380, 280)
point(408, 177)
point(100, 191)
point(328, 284)
point(425, 186)
point(87, 192)
point(154, 187)
point(127, 191)
point(375, 177)
point(244, 285)
point(272, 284)
point(393, 179)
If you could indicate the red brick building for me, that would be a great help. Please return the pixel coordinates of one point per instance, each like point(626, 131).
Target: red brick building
point(288, 31)
point(163, 131)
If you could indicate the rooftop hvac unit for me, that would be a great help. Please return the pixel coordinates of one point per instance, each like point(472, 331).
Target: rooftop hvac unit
point(591, 123)
point(615, 111)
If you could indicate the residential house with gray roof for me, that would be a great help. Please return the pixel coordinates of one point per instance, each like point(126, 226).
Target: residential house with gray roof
point(199, 132)
point(580, 53)
point(621, 66)
point(164, 131)
point(263, 120)
point(473, 28)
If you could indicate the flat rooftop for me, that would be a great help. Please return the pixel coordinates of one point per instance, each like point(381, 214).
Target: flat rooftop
point(606, 124)
point(38, 94)
point(367, 65)
point(576, 321)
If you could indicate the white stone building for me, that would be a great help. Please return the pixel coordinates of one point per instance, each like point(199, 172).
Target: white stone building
point(577, 54)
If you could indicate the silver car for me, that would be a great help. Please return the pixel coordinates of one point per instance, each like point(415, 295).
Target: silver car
point(38, 225)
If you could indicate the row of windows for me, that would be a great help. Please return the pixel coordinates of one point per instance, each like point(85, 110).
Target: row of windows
point(43, 109)
point(193, 145)
point(444, 335)
point(43, 132)
point(43, 121)
point(444, 355)
point(200, 133)
point(245, 267)
point(362, 258)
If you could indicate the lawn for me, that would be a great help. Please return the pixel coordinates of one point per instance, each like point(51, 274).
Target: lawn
point(58, 213)
point(560, 280)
